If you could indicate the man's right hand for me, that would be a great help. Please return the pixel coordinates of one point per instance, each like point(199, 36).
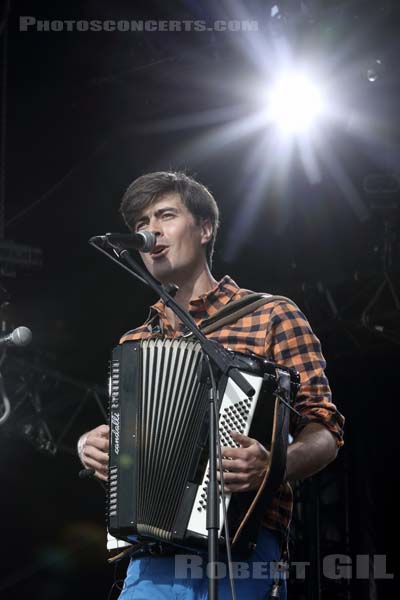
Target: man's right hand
point(93, 450)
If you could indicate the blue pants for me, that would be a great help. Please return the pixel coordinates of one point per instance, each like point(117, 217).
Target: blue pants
point(184, 576)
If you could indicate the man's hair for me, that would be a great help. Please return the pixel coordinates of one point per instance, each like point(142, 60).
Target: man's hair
point(147, 189)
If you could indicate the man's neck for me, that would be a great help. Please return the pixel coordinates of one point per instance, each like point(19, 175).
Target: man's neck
point(197, 284)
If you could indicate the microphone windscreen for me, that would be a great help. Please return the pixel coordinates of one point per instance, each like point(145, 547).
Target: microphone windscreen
point(21, 336)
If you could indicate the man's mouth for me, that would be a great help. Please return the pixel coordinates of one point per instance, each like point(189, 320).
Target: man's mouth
point(158, 251)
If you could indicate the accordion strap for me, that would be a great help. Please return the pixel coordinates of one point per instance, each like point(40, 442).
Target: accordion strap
point(236, 309)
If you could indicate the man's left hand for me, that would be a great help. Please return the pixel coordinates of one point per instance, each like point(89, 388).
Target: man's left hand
point(244, 467)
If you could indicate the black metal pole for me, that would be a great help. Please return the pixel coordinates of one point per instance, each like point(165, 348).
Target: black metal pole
point(212, 504)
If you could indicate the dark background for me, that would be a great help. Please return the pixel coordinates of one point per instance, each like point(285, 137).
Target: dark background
point(84, 113)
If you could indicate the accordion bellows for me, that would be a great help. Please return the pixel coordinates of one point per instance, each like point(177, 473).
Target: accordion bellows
point(158, 470)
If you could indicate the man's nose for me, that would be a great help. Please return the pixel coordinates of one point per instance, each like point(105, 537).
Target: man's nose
point(154, 227)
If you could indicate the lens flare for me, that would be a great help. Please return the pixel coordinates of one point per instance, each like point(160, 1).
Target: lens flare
point(294, 103)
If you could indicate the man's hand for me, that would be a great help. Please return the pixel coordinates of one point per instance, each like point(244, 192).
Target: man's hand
point(93, 450)
point(247, 465)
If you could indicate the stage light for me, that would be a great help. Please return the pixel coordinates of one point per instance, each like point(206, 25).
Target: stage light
point(375, 70)
point(294, 103)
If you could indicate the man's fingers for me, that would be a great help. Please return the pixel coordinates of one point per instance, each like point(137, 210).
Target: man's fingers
point(95, 454)
point(100, 470)
point(236, 487)
point(93, 448)
point(232, 477)
point(234, 483)
point(103, 430)
point(241, 439)
point(234, 466)
point(232, 453)
point(101, 443)
point(243, 468)
point(94, 464)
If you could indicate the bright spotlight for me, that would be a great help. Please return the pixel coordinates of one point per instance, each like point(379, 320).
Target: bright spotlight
point(294, 103)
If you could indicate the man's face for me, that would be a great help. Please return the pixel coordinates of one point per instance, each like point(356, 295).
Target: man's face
point(180, 249)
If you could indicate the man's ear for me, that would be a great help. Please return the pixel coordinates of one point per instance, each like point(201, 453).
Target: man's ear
point(206, 231)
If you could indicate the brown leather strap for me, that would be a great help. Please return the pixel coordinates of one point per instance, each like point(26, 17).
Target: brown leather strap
point(237, 309)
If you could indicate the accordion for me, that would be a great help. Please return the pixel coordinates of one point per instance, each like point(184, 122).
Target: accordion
point(158, 416)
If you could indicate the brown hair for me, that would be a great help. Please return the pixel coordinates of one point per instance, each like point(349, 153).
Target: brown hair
point(146, 189)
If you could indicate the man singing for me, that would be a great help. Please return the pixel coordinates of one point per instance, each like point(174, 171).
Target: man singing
point(184, 216)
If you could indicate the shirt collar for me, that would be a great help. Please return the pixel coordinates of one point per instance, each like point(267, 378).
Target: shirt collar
point(206, 304)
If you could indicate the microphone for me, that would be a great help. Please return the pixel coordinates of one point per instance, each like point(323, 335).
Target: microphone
point(145, 241)
point(21, 336)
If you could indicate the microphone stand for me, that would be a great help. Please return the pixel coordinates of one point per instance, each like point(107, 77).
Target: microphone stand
point(219, 357)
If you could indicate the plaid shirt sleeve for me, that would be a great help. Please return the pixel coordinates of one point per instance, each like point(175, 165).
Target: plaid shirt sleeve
point(290, 341)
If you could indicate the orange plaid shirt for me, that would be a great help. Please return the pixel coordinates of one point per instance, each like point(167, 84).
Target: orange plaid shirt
point(279, 332)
